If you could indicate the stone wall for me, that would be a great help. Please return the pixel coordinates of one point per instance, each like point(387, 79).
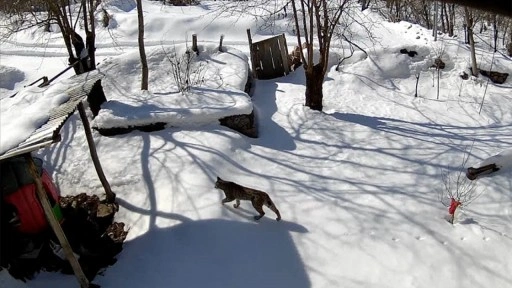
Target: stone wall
point(244, 124)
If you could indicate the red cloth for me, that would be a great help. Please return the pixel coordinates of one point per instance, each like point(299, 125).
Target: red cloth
point(453, 205)
point(28, 208)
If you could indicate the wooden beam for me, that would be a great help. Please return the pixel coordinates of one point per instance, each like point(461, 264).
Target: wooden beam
point(54, 223)
point(110, 196)
point(284, 53)
point(252, 54)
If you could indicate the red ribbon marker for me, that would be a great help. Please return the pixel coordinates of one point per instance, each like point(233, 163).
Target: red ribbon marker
point(453, 205)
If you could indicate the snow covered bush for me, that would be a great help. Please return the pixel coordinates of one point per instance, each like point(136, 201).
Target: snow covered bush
point(186, 70)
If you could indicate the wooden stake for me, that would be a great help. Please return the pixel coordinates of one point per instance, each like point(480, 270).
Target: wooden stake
point(220, 44)
point(194, 43)
point(438, 72)
point(54, 223)
point(110, 196)
point(249, 36)
point(417, 80)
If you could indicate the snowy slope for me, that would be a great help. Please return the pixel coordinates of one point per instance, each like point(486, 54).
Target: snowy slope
point(357, 185)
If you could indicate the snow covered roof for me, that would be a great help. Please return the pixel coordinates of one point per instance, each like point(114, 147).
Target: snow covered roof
point(32, 119)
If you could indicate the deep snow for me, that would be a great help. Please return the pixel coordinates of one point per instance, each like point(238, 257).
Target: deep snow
point(357, 185)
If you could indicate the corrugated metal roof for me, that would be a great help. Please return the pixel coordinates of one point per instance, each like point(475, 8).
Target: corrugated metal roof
point(49, 132)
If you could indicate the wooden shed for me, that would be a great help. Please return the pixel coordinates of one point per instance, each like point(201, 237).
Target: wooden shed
point(269, 57)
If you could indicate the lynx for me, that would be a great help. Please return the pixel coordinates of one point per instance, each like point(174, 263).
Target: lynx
point(237, 192)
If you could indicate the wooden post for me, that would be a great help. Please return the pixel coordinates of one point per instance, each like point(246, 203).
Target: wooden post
point(283, 47)
point(251, 53)
point(438, 72)
point(220, 44)
point(417, 80)
point(110, 196)
point(194, 43)
point(54, 223)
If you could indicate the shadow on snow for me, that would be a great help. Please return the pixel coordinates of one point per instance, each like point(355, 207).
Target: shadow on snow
point(212, 253)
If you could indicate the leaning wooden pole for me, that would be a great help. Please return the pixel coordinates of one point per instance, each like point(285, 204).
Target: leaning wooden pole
point(110, 196)
point(251, 52)
point(54, 224)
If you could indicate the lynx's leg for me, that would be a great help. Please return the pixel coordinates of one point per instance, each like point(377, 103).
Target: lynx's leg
point(274, 208)
point(259, 208)
point(237, 203)
point(226, 200)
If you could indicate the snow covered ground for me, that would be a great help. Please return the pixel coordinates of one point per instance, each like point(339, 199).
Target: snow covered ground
point(219, 79)
point(357, 185)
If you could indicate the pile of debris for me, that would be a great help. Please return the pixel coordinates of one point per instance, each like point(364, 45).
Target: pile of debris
point(88, 224)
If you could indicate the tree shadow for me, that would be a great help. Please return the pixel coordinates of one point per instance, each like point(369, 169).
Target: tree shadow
point(442, 134)
point(211, 253)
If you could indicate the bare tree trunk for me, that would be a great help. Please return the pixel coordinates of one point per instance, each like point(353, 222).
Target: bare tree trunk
point(365, 4)
point(87, 58)
point(443, 16)
point(451, 11)
point(79, 45)
point(110, 196)
point(509, 46)
point(434, 31)
point(67, 41)
point(314, 83)
point(505, 29)
point(90, 37)
point(71, 38)
point(142, 51)
point(397, 17)
point(324, 18)
point(65, 28)
point(495, 26)
point(469, 27)
point(466, 40)
point(426, 14)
